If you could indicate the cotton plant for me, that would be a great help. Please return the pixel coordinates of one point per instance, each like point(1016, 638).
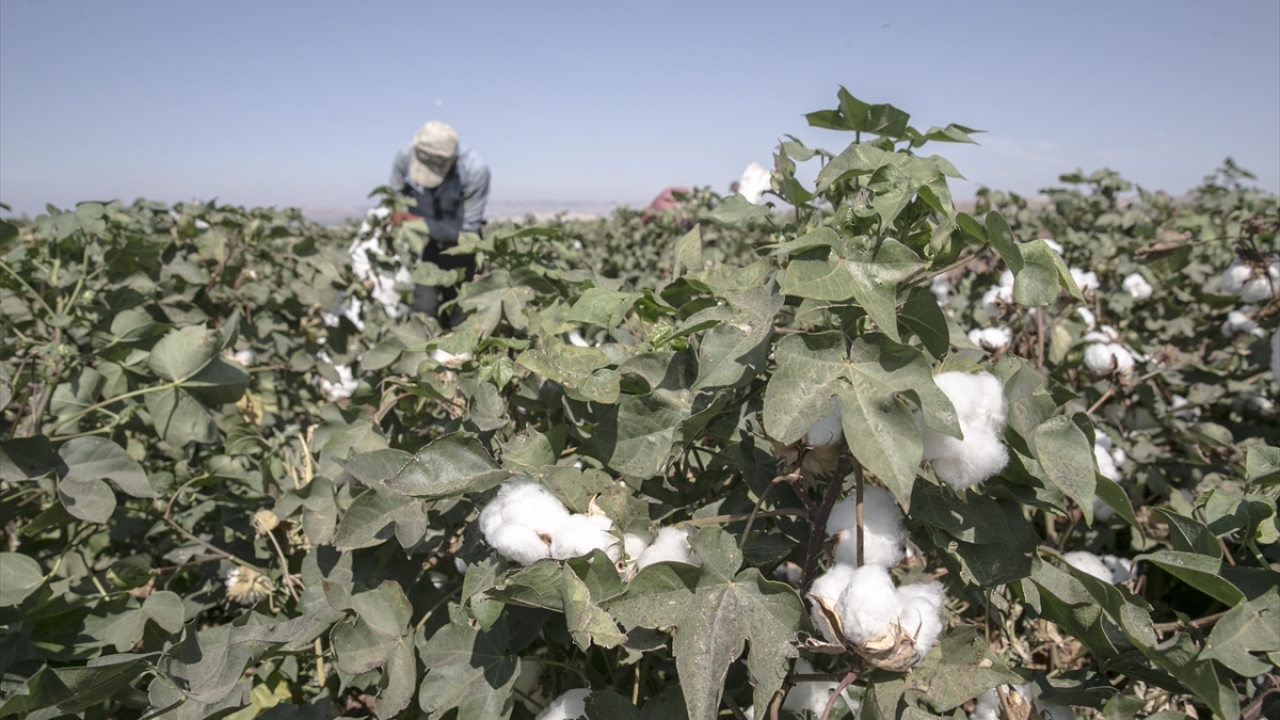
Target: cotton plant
point(981, 410)
point(862, 610)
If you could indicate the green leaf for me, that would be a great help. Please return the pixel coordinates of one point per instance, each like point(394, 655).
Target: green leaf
point(689, 252)
point(1262, 464)
point(1253, 626)
point(1001, 238)
point(133, 325)
point(921, 315)
point(961, 668)
point(97, 458)
point(19, 577)
point(468, 670)
point(180, 418)
point(26, 458)
point(865, 269)
point(715, 611)
point(736, 211)
point(452, 465)
point(582, 371)
point(370, 516)
point(74, 689)
point(637, 435)
point(87, 499)
point(601, 306)
point(1201, 572)
point(733, 352)
point(183, 352)
point(1036, 285)
point(1066, 457)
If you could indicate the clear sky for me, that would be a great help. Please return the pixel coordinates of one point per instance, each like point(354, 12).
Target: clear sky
point(305, 103)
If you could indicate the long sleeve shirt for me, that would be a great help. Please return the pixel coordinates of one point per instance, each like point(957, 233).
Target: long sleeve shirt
point(474, 174)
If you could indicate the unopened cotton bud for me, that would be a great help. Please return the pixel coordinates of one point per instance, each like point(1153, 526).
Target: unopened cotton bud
point(570, 705)
point(264, 521)
point(882, 531)
point(992, 339)
point(1108, 359)
point(826, 431)
point(981, 411)
point(1137, 286)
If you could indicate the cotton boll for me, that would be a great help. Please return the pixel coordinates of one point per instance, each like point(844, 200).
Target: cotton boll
point(869, 605)
point(1121, 568)
point(671, 545)
point(521, 523)
point(1235, 276)
point(1137, 286)
point(244, 357)
point(1089, 563)
point(997, 299)
point(754, 182)
point(1240, 322)
point(813, 696)
point(940, 286)
point(1108, 359)
point(991, 339)
point(988, 705)
point(981, 410)
point(635, 543)
point(580, 534)
point(344, 388)
point(789, 573)
point(575, 339)
point(1181, 408)
point(448, 359)
point(1106, 463)
point(882, 528)
point(1104, 334)
point(1090, 320)
point(1086, 281)
point(1006, 279)
point(571, 705)
point(826, 431)
point(919, 609)
point(829, 586)
point(518, 543)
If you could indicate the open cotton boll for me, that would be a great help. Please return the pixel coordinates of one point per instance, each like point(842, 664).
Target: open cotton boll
point(635, 543)
point(996, 300)
point(522, 521)
point(1104, 334)
point(575, 339)
point(1240, 322)
point(671, 545)
point(1121, 568)
point(571, 705)
point(1137, 286)
point(869, 605)
point(754, 182)
point(444, 357)
point(829, 586)
point(1090, 320)
point(991, 339)
point(344, 388)
point(988, 705)
point(1106, 462)
point(578, 535)
point(1086, 280)
point(940, 286)
point(1108, 359)
point(882, 529)
point(1087, 562)
point(813, 696)
point(981, 410)
point(826, 431)
point(919, 613)
point(244, 357)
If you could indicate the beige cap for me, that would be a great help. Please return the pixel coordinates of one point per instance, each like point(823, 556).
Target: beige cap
point(435, 147)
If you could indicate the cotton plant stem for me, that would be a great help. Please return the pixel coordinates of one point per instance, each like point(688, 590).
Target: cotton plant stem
point(722, 519)
point(818, 523)
point(733, 708)
point(755, 511)
point(857, 477)
point(1105, 396)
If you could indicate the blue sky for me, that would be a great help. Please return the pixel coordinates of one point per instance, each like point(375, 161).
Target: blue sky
point(305, 104)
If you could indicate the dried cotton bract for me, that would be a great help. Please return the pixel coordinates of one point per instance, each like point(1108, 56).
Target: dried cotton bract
point(882, 529)
point(981, 410)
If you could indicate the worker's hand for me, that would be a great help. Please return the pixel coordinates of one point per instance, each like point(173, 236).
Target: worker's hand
point(402, 217)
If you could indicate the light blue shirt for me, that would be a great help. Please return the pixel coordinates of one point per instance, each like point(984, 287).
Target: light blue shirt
point(473, 173)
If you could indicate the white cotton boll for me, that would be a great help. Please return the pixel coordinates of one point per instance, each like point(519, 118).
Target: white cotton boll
point(826, 431)
point(522, 521)
point(991, 339)
point(448, 359)
point(813, 696)
point(575, 339)
point(518, 543)
point(1086, 281)
point(988, 705)
point(1090, 320)
point(919, 614)
point(580, 534)
point(1089, 563)
point(1137, 286)
point(1180, 407)
point(829, 586)
point(1106, 462)
point(940, 286)
point(1006, 279)
point(868, 605)
point(571, 705)
point(1121, 568)
point(1054, 245)
point(754, 182)
point(671, 545)
point(1104, 334)
point(1235, 276)
point(995, 300)
point(344, 388)
point(1102, 512)
point(1240, 322)
point(244, 357)
point(789, 573)
point(1108, 358)
point(881, 528)
point(981, 410)
point(635, 543)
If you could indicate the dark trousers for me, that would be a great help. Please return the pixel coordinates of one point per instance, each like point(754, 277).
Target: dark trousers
point(428, 298)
